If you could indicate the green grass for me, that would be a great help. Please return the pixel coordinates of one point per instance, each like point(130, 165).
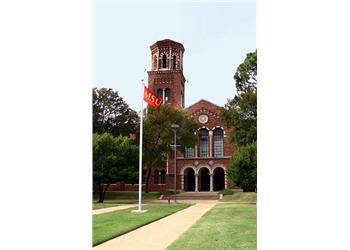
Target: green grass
point(240, 197)
point(226, 192)
point(226, 226)
point(110, 225)
point(102, 205)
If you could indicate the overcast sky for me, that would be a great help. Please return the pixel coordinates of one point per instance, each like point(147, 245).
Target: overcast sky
point(216, 37)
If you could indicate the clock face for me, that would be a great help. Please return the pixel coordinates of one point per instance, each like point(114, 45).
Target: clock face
point(203, 118)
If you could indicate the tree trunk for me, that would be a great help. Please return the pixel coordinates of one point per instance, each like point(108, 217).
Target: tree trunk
point(101, 193)
point(148, 175)
point(102, 188)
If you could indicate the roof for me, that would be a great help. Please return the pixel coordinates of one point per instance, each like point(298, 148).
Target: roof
point(202, 100)
point(167, 42)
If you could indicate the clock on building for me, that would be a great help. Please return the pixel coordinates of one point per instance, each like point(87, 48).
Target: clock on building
point(203, 118)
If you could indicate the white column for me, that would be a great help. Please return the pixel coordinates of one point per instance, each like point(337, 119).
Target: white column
point(210, 143)
point(196, 186)
point(211, 182)
point(196, 151)
point(182, 182)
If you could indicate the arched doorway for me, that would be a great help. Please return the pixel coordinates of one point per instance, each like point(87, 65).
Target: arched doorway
point(204, 179)
point(189, 180)
point(219, 179)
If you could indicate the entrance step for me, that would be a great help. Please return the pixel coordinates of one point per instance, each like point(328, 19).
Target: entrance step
point(194, 196)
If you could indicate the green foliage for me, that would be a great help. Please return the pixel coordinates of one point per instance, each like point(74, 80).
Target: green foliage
point(242, 169)
point(114, 159)
point(240, 113)
point(246, 74)
point(158, 134)
point(111, 114)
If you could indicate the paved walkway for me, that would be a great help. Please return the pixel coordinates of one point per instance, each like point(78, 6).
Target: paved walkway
point(111, 209)
point(159, 234)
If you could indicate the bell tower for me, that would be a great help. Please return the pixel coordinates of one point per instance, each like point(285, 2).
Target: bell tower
point(166, 78)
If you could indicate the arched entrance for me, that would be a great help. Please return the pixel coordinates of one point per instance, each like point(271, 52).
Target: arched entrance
point(189, 180)
point(219, 179)
point(204, 179)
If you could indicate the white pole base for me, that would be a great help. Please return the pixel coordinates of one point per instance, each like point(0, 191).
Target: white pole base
point(139, 211)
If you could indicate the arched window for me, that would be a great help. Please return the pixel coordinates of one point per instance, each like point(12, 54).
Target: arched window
point(167, 95)
point(162, 176)
point(203, 143)
point(160, 93)
point(164, 61)
point(174, 62)
point(156, 176)
point(218, 143)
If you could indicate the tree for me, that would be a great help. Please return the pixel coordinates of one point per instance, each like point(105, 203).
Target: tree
point(111, 114)
point(240, 113)
point(114, 159)
point(158, 136)
point(242, 169)
point(246, 74)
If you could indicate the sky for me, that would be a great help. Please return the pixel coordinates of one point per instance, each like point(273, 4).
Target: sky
point(216, 36)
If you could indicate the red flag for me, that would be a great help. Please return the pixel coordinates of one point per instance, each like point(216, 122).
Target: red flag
point(151, 98)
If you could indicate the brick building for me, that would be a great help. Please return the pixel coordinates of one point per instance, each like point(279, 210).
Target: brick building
point(202, 168)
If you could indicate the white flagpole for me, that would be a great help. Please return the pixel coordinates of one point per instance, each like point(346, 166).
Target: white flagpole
point(140, 155)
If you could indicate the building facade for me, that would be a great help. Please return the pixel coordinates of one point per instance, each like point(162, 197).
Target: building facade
point(203, 167)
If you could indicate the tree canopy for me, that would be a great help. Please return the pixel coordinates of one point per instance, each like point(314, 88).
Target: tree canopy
point(240, 113)
point(158, 135)
point(242, 169)
point(111, 114)
point(246, 74)
point(114, 159)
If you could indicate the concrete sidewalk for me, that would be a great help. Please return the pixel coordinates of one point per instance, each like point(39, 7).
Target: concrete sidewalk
point(161, 233)
point(112, 209)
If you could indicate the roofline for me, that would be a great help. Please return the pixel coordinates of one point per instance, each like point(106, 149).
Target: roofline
point(203, 101)
point(158, 43)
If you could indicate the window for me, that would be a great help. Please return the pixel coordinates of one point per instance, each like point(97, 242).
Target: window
point(203, 143)
point(218, 143)
point(160, 93)
point(167, 95)
point(156, 176)
point(162, 176)
point(189, 153)
point(174, 62)
point(164, 61)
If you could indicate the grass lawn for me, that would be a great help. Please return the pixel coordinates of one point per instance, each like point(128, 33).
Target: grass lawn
point(102, 205)
point(226, 226)
point(110, 225)
point(238, 197)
